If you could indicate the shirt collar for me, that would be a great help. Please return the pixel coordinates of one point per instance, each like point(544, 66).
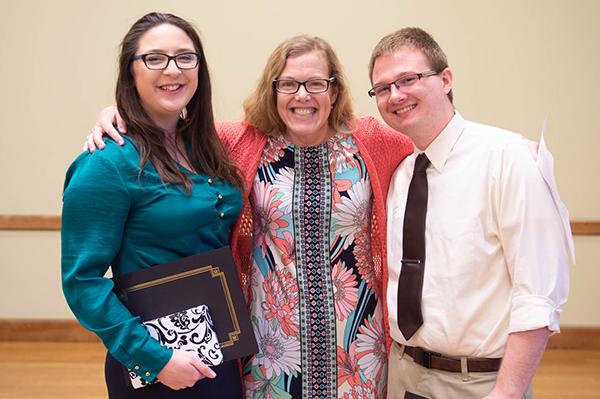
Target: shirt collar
point(439, 149)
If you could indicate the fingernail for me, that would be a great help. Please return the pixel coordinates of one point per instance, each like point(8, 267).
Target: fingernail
point(212, 374)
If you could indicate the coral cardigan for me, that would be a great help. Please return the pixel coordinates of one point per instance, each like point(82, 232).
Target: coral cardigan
point(381, 148)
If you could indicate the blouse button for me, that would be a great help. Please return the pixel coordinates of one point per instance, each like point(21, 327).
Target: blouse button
point(222, 214)
point(210, 180)
point(147, 374)
point(220, 196)
point(137, 367)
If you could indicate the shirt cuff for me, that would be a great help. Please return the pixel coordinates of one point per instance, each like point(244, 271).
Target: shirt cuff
point(149, 360)
point(532, 312)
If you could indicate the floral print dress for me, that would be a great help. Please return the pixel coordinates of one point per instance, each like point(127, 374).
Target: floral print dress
point(314, 302)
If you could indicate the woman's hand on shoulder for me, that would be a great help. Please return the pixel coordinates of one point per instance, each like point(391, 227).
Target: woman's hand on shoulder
point(184, 370)
point(533, 146)
point(107, 119)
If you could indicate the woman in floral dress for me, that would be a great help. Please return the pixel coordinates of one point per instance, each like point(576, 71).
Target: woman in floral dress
point(310, 243)
point(314, 299)
point(314, 276)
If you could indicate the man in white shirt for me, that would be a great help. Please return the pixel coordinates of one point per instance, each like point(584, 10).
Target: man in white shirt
point(496, 271)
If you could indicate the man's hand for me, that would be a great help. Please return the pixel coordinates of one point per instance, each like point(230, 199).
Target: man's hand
point(184, 370)
point(108, 117)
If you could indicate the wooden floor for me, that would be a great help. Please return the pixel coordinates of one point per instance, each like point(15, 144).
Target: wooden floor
point(51, 370)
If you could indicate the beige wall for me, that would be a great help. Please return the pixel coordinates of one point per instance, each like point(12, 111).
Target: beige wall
point(514, 62)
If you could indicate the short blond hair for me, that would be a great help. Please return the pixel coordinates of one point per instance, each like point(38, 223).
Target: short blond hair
point(260, 107)
point(413, 38)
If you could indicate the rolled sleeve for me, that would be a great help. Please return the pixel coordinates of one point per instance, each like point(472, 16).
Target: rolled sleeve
point(531, 312)
point(533, 240)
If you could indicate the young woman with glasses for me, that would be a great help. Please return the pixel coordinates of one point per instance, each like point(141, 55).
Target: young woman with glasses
point(169, 192)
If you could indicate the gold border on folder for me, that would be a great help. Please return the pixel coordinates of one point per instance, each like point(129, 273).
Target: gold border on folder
point(214, 272)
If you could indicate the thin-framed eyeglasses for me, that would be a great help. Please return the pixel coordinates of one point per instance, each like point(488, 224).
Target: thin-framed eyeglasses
point(159, 61)
point(402, 83)
point(313, 86)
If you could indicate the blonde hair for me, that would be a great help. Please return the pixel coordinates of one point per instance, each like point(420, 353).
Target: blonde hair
point(413, 38)
point(260, 107)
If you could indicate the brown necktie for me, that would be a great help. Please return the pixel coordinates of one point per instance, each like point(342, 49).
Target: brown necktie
point(410, 284)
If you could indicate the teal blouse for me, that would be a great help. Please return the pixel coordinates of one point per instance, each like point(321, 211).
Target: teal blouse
point(115, 217)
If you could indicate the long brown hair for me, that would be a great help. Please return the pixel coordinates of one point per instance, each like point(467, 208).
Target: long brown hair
point(206, 151)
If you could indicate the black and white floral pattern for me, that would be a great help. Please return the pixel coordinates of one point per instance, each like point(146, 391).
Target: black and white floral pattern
point(190, 330)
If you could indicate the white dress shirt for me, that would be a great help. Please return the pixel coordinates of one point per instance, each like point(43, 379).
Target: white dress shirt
point(496, 254)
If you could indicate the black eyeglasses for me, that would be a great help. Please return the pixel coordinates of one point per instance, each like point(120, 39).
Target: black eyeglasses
point(401, 84)
point(158, 61)
point(313, 86)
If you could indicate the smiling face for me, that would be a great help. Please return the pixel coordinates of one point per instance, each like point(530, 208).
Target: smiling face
point(164, 93)
point(421, 111)
point(306, 115)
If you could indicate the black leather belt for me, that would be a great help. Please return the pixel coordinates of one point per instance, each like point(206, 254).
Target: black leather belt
point(433, 360)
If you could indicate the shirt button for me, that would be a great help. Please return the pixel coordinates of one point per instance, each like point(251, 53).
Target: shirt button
point(147, 374)
point(137, 367)
point(222, 214)
point(210, 180)
point(220, 196)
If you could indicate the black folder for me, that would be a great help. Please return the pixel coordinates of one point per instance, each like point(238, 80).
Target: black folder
point(206, 279)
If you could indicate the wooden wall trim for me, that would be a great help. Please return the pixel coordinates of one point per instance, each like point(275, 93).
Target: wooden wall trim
point(52, 223)
point(30, 222)
point(45, 331)
point(585, 227)
point(580, 338)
